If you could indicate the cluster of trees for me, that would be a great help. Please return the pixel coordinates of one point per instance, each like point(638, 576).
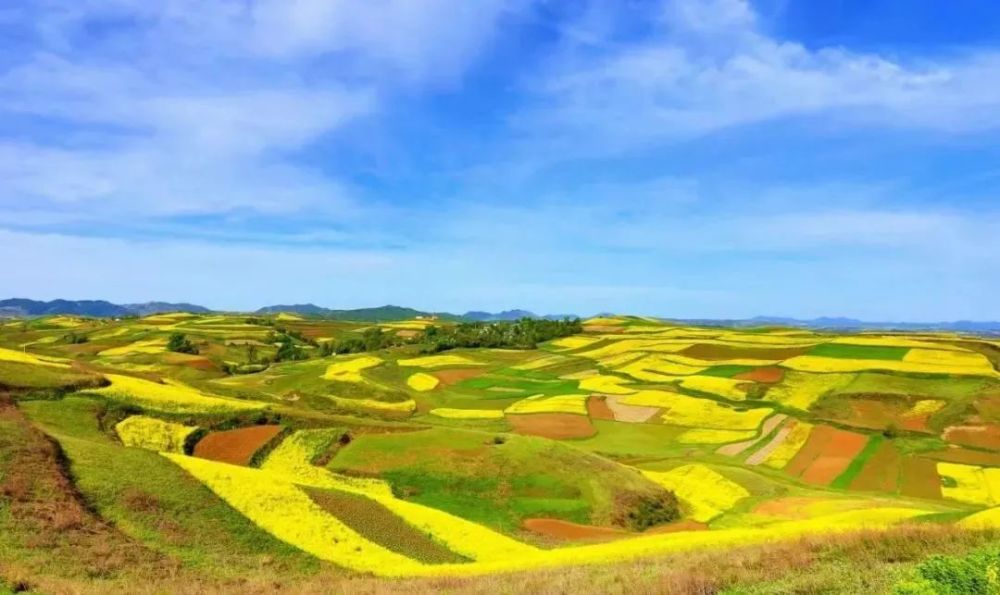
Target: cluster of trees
point(372, 339)
point(525, 333)
point(75, 339)
point(181, 344)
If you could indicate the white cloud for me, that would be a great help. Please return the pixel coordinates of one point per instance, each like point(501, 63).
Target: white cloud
point(710, 66)
point(190, 107)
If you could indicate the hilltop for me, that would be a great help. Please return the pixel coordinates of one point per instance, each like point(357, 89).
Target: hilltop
point(208, 449)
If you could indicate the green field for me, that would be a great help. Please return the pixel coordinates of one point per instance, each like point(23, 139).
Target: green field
point(562, 458)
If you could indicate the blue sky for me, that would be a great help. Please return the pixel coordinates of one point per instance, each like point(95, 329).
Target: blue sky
point(686, 158)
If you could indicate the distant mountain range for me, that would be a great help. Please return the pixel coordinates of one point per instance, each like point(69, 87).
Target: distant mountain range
point(382, 313)
point(19, 308)
point(840, 323)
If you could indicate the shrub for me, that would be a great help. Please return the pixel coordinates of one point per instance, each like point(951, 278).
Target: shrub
point(640, 512)
point(178, 343)
point(975, 574)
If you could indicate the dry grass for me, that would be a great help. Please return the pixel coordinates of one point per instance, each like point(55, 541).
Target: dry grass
point(46, 519)
point(862, 562)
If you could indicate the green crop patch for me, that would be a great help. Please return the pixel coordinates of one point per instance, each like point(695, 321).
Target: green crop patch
point(851, 351)
point(726, 371)
point(378, 524)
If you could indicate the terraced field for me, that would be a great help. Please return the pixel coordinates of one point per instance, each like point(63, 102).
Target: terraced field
point(635, 439)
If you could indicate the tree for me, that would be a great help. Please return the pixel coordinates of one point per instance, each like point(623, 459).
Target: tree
point(251, 353)
point(180, 344)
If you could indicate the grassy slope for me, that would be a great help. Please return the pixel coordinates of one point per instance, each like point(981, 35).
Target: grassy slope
point(156, 503)
point(465, 473)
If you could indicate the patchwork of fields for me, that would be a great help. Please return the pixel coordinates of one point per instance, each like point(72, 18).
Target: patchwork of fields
point(635, 438)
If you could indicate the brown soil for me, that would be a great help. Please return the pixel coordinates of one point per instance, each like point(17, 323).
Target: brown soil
point(916, 423)
point(200, 364)
point(792, 507)
point(871, 414)
point(766, 375)
point(837, 454)
point(737, 448)
point(567, 531)
point(558, 426)
point(982, 436)
point(719, 352)
point(881, 472)
point(988, 407)
point(235, 446)
point(598, 408)
point(758, 457)
point(448, 377)
point(407, 333)
point(919, 478)
point(629, 413)
point(678, 527)
point(826, 454)
point(46, 519)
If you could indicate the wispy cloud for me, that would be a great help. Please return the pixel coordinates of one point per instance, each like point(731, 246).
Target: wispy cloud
point(609, 163)
point(709, 65)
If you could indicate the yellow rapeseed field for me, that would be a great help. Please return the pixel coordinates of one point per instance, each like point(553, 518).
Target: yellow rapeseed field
point(574, 342)
point(801, 389)
point(940, 357)
point(467, 413)
point(924, 407)
point(349, 370)
point(174, 397)
point(736, 361)
point(891, 341)
point(975, 485)
point(692, 412)
point(461, 536)
point(986, 519)
point(12, 355)
point(435, 361)
point(795, 440)
point(727, 388)
point(703, 493)
point(969, 366)
point(622, 346)
point(541, 362)
point(422, 382)
point(656, 368)
point(153, 434)
point(542, 404)
point(292, 461)
point(605, 384)
point(282, 509)
point(147, 346)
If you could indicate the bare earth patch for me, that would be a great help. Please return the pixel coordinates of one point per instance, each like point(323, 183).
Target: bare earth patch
point(235, 446)
point(557, 426)
point(456, 375)
point(635, 414)
point(982, 436)
point(758, 457)
point(597, 408)
point(881, 472)
point(738, 448)
point(567, 531)
point(766, 375)
point(919, 478)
